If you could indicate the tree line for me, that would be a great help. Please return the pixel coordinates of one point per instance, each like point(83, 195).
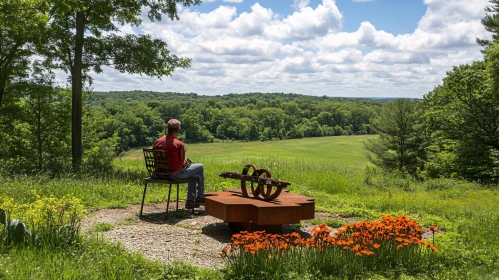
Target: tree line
point(140, 117)
point(35, 125)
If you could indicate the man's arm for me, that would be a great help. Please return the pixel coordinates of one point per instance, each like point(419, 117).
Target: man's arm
point(181, 153)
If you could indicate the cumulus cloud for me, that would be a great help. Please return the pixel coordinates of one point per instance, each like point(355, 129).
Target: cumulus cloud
point(307, 23)
point(307, 51)
point(299, 4)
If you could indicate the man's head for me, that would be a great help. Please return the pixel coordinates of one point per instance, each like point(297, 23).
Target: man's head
point(173, 126)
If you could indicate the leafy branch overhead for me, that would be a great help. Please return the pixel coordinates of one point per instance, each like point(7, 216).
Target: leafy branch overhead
point(102, 46)
point(132, 54)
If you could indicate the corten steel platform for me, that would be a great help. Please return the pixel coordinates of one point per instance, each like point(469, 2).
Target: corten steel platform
point(251, 214)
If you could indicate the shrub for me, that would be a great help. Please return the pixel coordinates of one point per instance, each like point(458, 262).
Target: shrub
point(51, 221)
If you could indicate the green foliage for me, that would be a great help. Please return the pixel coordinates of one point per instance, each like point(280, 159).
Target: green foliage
point(246, 117)
point(47, 221)
point(36, 131)
point(101, 227)
point(15, 232)
point(35, 128)
point(462, 119)
point(94, 259)
point(401, 142)
point(185, 271)
point(333, 223)
point(21, 25)
point(491, 23)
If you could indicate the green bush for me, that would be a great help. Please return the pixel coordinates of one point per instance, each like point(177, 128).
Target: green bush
point(46, 221)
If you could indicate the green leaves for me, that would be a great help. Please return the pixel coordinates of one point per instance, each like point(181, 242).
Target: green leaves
point(401, 142)
point(462, 118)
point(133, 54)
point(16, 232)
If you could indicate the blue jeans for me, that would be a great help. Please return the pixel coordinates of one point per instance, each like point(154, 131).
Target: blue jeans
point(194, 171)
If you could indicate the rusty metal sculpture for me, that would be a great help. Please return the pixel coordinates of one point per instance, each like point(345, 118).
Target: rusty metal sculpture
point(258, 183)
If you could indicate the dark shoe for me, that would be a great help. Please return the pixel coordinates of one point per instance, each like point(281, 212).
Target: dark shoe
point(189, 204)
point(199, 201)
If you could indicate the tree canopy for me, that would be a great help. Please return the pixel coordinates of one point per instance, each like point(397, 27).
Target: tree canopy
point(21, 23)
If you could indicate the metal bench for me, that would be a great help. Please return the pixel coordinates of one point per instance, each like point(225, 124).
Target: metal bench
point(157, 163)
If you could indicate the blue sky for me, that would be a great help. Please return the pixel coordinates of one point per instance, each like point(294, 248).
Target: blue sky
point(352, 48)
point(394, 16)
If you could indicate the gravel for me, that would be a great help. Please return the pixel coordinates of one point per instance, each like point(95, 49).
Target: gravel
point(197, 239)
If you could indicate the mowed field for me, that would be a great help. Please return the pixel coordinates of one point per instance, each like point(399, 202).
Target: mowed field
point(338, 150)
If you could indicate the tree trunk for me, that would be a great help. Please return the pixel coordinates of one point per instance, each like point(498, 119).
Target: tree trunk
point(2, 92)
point(76, 91)
point(39, 132)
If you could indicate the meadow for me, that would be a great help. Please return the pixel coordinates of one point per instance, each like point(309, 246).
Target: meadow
point(334, 170)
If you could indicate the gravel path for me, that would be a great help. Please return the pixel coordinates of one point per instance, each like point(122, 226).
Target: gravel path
point(197, 238)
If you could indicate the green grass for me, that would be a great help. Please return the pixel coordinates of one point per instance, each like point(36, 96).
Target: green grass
point(330, 169)
point(101, 227)
point(95, 259)
point(343, 151)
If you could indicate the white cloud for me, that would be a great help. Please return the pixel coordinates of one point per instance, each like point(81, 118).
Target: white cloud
point(307, 23)
point(233, 1)
point(307, 52)
point(299, 4)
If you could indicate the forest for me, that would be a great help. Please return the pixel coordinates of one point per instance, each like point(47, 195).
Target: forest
point(244, 117)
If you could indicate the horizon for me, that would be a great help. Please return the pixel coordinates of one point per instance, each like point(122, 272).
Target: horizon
point(243, 93)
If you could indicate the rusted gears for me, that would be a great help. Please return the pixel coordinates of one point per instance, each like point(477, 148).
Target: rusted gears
point(261, 187)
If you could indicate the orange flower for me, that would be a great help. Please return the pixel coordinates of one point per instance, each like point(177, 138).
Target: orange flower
point(367, 252)
point(376, 246)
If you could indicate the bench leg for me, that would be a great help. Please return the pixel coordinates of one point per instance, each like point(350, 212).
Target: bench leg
point(177, 195)
point(168, 201)
point(143, 198)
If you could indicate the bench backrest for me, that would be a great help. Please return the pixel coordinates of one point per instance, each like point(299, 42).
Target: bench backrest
point(156, 161)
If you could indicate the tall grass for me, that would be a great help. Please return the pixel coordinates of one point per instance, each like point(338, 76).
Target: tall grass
point(95, 259)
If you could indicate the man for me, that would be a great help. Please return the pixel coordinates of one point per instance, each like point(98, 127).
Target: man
point(180, 167)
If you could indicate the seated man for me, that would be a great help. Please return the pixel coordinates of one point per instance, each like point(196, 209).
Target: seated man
point(179, 167)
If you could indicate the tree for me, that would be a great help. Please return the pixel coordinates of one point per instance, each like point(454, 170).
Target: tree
point(21, 23)
point(401, 141)
point(38, 139)
point(462, 118)
point(82, 37)
point(491, 23)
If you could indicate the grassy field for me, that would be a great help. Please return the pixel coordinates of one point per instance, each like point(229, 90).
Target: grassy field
point(344, 151)
point(336, 172)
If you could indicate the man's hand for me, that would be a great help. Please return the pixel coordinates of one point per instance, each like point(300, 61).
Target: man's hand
point(186, 164)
